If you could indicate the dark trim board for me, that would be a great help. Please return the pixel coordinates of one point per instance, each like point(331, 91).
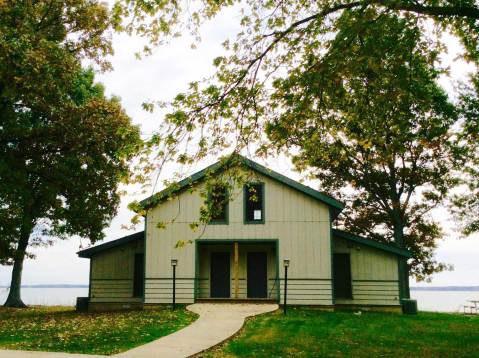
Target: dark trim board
point(230, 241)
point(331, 252)
point(381, 298)
point(89, 281)
point(372, 243)
point(111, 279)
point(305, 279)
point(277, 282)
point(87, 253)
point(395, 281)
point(144, 255)
point(197, 272)
point(171, 278)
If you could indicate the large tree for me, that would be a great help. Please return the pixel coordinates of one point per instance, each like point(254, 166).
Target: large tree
point(325, 75)
point(375, 121)
point(465, 203)
point(64, 146)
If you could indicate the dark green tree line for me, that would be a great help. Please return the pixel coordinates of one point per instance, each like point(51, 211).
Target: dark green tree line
point(64, 146)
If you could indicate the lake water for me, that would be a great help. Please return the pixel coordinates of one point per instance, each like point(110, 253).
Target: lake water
point(440, 301)
point(48, 296)
point(443, 301)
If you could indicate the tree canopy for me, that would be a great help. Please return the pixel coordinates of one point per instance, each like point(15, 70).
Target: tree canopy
point(64, 146)
point(376, 119)
point(350, 89)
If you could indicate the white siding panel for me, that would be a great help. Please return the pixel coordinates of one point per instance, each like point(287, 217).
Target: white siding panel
point(299, 223)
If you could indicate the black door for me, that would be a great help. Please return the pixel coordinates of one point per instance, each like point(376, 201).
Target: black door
point(342, 276)
point(138, 275)
point(220, 275)
point(257, 269)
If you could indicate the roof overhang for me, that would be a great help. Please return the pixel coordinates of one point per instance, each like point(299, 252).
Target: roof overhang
point(91, 251)
point(372, 243)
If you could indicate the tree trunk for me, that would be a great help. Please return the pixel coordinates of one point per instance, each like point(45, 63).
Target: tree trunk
point(14, 296)
point(403, 269)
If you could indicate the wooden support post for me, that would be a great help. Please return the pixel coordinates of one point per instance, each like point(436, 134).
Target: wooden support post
point(236, 269)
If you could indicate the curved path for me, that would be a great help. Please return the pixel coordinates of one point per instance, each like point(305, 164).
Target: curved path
point(216, 323)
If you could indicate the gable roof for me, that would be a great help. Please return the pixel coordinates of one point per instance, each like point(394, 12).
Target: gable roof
point(111, 244)
point(371, 243)
point(216, 168)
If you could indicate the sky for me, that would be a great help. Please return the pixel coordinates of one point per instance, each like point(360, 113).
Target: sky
point(159, 77)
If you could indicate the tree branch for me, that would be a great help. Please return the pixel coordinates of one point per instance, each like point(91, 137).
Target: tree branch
point(459, 11)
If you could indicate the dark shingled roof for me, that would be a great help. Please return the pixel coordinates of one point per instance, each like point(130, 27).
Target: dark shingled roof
point(111, 244)
point(371, 243)
point(334, 204)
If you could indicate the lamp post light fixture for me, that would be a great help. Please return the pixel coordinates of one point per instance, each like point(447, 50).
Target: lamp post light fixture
point(174, 263)
point(286, 265)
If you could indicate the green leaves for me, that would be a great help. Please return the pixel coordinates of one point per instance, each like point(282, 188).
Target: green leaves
point(64, 146)
point(351, 88)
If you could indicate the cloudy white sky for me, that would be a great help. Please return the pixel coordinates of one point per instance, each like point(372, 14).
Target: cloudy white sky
point(160, 77)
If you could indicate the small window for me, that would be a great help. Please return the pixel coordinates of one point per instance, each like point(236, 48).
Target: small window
point(218, 205)
point(254, 203)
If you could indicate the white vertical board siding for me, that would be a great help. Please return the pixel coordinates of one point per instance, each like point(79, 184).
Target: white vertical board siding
point(112, 274)
point(374, 274)
point(299, 223)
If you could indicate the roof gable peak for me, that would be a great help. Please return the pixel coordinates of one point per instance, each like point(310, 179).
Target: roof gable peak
point(234, 160)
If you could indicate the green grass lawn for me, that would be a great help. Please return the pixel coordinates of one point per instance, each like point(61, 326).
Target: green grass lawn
point(63, 329)
point(312, 333)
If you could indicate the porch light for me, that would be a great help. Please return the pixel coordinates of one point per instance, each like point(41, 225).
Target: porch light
point(286, 262)
point(174, 262)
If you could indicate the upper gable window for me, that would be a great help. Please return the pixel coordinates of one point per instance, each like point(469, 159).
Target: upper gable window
point(218, 204)
point(254, 203)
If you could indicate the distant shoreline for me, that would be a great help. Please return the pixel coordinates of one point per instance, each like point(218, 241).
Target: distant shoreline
point(51, 286)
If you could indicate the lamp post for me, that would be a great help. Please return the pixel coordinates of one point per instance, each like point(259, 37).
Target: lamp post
point(286, 265)
point(174, 263)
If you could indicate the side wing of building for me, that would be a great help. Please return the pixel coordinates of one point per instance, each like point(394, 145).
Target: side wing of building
point(116, 273)
point(364, 275)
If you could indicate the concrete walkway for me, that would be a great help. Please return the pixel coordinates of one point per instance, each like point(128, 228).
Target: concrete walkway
point(216, 323)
